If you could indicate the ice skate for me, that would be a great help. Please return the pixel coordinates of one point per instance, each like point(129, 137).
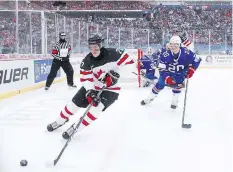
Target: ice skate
point(66, 135)
point(149, 99)
point(55, 125)
point(174, 103)
point(72, 86)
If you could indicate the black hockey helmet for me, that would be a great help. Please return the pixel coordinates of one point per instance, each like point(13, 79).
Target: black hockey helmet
point(96, 39)
point(62, 35)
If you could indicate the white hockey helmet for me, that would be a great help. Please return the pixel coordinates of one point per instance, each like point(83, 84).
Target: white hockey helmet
point(175, 40)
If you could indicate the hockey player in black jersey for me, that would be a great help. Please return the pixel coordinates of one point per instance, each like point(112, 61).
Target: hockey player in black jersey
point(61, 53)
point(100, 67)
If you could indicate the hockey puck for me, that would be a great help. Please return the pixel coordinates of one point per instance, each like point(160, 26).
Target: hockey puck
point(23, 163)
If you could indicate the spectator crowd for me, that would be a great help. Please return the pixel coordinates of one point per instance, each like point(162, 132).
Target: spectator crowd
point(208, 26)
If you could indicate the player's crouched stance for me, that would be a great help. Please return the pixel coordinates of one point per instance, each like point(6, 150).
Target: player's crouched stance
point(174, 65)
point(99, 68)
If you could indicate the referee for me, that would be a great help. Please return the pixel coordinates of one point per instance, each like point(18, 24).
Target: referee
point(61, 53)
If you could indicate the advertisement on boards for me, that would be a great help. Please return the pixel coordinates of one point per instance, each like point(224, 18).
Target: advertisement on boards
point(216, 61)
point(42, 69)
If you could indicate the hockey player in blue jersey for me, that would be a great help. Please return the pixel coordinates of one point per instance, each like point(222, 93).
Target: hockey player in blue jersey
point(174, 66)
point(147, 67)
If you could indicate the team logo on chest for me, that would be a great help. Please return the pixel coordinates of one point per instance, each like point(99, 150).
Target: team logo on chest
point(98, 73)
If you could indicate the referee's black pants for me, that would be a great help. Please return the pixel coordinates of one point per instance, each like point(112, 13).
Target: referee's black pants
point(66, 66)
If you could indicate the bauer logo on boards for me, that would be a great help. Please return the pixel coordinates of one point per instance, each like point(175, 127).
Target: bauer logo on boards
point(13, 75)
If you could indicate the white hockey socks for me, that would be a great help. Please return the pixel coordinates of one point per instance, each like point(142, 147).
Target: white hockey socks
point(91, 116)
point(68, 111)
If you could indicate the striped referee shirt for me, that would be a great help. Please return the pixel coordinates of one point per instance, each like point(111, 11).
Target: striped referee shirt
point(60, 48)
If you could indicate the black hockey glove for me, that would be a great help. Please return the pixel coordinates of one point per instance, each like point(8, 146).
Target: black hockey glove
point(111, 78)
point(92, 97)
point(183, 36)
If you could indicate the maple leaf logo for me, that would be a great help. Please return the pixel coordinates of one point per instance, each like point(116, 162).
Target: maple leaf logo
point(97, 75)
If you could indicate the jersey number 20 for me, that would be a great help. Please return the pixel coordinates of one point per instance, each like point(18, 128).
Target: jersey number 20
point(175, 68)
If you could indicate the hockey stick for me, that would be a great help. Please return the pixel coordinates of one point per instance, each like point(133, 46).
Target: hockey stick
point(187, 126)
point(148, 80)
point(76, 128)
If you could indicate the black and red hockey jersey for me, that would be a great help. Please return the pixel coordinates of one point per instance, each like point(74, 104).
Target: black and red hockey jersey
point(93, 68)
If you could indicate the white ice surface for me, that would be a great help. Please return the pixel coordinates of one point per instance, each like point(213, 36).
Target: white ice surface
point(127, 137)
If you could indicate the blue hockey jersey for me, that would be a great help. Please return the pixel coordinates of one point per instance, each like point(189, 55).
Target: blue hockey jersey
point(178, 67)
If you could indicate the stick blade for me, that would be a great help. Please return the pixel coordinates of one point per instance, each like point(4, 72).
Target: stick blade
point(187, 126)
point(55, 162)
